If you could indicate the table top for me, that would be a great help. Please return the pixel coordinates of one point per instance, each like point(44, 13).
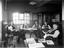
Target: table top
point(48, 42)
point(43, 43)
point(29, 28)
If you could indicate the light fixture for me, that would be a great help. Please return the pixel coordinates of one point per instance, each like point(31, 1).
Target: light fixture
point(32, 3)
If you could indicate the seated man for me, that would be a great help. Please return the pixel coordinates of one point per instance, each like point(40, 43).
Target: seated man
point(11, 27)
point(54, 32)
point(53, 35)
point(37, 28)
point(36, 25)
point(46, 27)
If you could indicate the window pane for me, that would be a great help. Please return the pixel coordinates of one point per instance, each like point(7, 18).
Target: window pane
point(15, 15)
point(15, 21)
point(26, 21)
point(22, 21)
point(21, 16)
point(19, 22)
point(26, 17)
point(15, 18)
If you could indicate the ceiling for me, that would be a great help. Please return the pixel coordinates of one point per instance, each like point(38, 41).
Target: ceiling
point(50, 5)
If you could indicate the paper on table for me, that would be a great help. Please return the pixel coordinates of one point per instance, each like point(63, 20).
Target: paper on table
point(30, 40)
point(36, 45)
point(42, 40)
point(50, 42)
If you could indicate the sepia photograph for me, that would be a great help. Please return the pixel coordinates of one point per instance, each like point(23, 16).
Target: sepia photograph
point(31, 23)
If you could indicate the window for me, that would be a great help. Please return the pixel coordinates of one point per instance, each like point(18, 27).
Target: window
point(23, 18)
point(26, 18)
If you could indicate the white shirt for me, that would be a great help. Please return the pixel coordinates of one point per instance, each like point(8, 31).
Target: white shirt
point(10, 28)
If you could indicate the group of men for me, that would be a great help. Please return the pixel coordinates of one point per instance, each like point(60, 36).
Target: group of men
point(43, 31)
point(48, 30)
point(45, 28)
